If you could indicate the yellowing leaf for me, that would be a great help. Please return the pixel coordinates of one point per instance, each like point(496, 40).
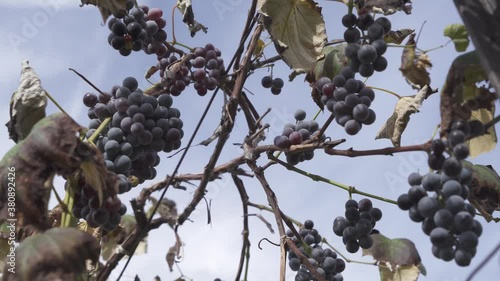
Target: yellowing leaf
point(459, 35)
point(257, 53)
point(406, 106)
point(486, 142)
point(400, 273)
point(414, 65)
point(297, 29)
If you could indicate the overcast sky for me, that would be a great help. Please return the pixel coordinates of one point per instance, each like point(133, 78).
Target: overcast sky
point(57, 34)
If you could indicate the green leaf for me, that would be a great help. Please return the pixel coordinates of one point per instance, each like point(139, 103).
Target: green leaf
point(406, 106)
point(398, 259)
point(459, 35)
point(386, 7)
point(57, 254)
point(332, 62)
point(484, 189)
point(297, 29)
point(27, 105)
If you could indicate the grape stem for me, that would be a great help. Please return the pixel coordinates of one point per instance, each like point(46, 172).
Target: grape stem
point(314, 177)
point(101, 127)
point(264, 63)
point(56, 103)
point(173, 29)
point(88, 82)
point(385, 90)
point(492, 123)
point(245, 248)
point(346, 258)
point(350, 6)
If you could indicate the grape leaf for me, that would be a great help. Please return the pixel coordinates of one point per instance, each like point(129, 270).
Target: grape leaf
point(167, 210)
point(108, 7)
point(297, 29)
point(111, 241)
point(57, 254)
point(484, 189)
point(386, 7)
point(459, 35)
point(462, 99)
point(414, 65)
point(186, 9)
point(486, 142)
point(27, 105)
point(48, 149)
point(406, 106)
point(398, 36)
point(401, 273)
point(329, 65)
point(397, 258)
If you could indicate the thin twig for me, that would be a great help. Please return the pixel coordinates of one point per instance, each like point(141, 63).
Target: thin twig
point(88, 82)
point(246, 231)
point(483, 262)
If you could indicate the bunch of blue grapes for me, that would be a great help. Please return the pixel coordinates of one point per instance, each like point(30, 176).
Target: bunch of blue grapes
point(357, 225)
point(141, 126)
point(204, 68)
point(86, 199)
point(439, 199)
point(325, 261)
point(136, 29)
point(275, 84)
point(348, 99)
point(295, 134)
point(366, 53)
point(208, 68)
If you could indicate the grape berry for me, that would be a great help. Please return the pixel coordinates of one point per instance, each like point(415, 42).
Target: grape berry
point(357, 225)
point(325, 261)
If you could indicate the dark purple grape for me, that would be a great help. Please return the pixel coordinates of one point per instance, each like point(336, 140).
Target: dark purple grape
point(90, 99)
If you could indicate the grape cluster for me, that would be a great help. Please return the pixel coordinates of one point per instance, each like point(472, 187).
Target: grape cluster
point(140, 127)
point(136, 29)
point(87, 207)
point(173, 82)
point(365, 53)
point(275, 84)
point(357, 225)
point(445, 215)
point(208, 68)
point(295, 134)
point(325, 261)
point(348, 99)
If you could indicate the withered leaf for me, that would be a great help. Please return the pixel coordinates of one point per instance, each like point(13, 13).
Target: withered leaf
point(414, 65)
point(186, 9)
point(462, 99)
point(47, 150)
point(398, 36)
point(396, 124)
point(108, 7)
point(167, 209)
point(57, 254)
point(27, 105)
point(484, 189)
point(386, 7)
point(297, 29)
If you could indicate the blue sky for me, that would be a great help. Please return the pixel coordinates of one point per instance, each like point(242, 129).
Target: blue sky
point(65, 35)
